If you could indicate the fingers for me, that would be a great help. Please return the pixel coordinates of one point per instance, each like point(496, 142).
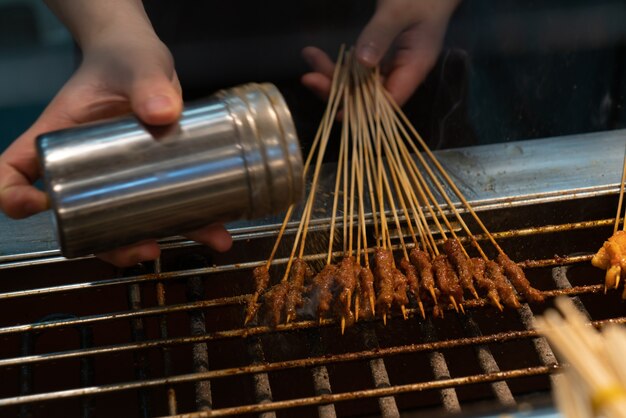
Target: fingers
point(379, 33)
point(18, 199)
point(155, 98)
point(214, 236)
point(319, 61)
point(132, 254)
point(319, 80)
point(417, 52)
point(318, 83)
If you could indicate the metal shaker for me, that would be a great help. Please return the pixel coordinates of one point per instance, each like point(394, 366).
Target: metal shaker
point(114, 183)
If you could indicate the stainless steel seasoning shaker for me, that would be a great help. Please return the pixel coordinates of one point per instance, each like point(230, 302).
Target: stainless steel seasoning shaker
point(235, 155)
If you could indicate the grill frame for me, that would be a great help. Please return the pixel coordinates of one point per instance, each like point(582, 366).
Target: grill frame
point(317, 363)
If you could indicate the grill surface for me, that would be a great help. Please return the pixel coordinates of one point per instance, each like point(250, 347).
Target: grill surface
point(79, 338)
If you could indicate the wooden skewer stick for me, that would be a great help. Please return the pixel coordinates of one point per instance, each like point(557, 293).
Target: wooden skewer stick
point(333, 216)
point(445, 175)
point(306, 216)
point(438, 185)
point(428, 243)
point(621, 198)
point(331, 104)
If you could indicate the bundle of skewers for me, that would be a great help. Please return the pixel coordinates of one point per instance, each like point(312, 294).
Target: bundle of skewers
point(386, 168)
point(612, 255)
point(593, 382)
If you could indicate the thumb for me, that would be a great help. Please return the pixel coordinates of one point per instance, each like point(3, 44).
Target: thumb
point(156, 99)
point(378, 35)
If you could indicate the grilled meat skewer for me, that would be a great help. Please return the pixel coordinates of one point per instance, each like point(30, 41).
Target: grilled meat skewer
point(483, 282)
point(399, 291)
point(421, 261)
point(261, 281)
point(413, 282)
point(462, 264)
point(383, 278)
point(505, 290)
point(517, 277)
point(346, 280)
point(322, 289)
point(275, 302)
point(300, 272)
point(366, 297)
point(447, 280)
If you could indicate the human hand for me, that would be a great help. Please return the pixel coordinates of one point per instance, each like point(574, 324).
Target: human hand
point(403, 36)
point(120, 73)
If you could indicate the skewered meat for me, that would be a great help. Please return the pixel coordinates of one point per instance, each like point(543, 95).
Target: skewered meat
point(399, 288)
point(300, 271)
point(422, 263)
point(517, 277)
point(447, 279)
point(484, 283)
point(275, 302)
point(506, 292)
point(411, 278)
point(461, 262)
point(261, 280)
point(366, 293)
point(612, 258)
point(322, 289)
point(346, 283)
point(383, 277)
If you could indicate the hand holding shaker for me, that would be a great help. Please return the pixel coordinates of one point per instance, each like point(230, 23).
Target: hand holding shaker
point(118, 182)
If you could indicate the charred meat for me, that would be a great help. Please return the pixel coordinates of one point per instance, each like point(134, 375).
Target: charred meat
point(505, 290)
point(483, 282)
point(300, 272)
point(447, 279)
point(517, 277)
point(383, 278)
point(346, 283)
point(322, 289)
point(261, 281)
point(275, 302)
point(461, 263)
point(421, 261)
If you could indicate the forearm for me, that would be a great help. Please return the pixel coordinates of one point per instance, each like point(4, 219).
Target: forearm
point(91, 20)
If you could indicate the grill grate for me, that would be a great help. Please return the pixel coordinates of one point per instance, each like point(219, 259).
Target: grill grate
point(168, 340)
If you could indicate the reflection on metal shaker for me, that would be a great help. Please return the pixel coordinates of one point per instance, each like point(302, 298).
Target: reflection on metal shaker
point(114, 183)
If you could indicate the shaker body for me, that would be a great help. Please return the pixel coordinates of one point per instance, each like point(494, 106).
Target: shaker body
point(114, 183)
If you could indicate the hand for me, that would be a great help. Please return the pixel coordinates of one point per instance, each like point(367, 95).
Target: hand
point(118, 75)
point(403, 36)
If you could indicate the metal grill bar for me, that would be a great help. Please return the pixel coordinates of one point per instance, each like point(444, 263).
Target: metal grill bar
point(324, 398)
point(242, 332)
point(300, 363)
point(167, 358)
point(379, 392)
point(235, 300)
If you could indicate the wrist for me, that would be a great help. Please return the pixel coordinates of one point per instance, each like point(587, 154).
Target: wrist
point(91, 22)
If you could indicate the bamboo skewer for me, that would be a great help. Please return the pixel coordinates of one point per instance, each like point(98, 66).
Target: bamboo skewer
point(621, 198)
point(380, 165)
point(595, 382)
